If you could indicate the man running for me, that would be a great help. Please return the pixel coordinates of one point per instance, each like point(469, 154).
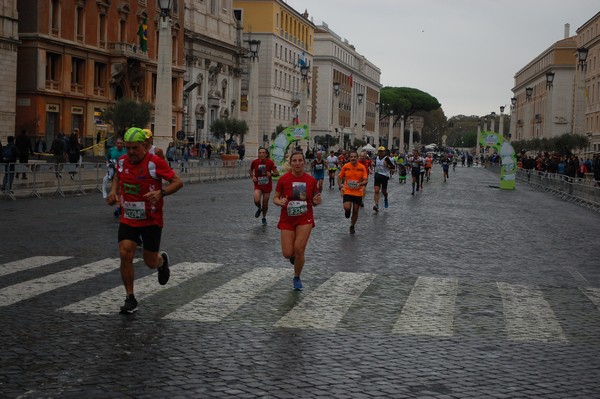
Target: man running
point(137, 186)
point(261, 171)
point(363, 158)
point(445, 166)
point(416, 162)
point(115, 152)
point(318, 166)
point(351, 180)
point(150, 147)
point(332, 167)
point(383, 167)
point(428, 165)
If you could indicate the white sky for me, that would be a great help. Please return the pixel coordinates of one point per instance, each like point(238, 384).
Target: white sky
point(463, 52)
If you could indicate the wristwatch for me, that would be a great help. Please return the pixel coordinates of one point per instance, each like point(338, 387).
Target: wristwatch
point(163, 192)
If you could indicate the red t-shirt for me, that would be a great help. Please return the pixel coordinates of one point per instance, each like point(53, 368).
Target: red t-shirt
point(136, 180)
point(260, 168)
point(367, 164)
point(299, 190)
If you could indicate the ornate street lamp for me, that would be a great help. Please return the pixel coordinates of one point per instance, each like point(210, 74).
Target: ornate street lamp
point(336, 88)
point(377, 105)
point(360, 97)
point(254, 46)
point(549, 79)
point(165, 8)
point(304, 71)
point(582, 54)
point(502, 107)
point(528, 92)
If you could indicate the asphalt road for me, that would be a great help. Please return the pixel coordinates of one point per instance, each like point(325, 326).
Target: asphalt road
point(461, 291)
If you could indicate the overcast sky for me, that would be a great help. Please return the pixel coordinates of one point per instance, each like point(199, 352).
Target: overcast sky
point(463, 52)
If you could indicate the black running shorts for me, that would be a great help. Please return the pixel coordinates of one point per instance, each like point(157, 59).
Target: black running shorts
point(149, 235)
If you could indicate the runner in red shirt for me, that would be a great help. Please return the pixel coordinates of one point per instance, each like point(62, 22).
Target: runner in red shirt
point(364, 159)
point(137, 186)
point(296, 193)
point(261, 171)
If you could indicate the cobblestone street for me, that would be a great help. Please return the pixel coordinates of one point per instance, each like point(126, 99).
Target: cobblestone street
point(460, 291)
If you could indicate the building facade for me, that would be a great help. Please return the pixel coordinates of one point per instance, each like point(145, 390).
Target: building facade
point(213, 58)
point(9, 40)
point(345, 91)
point(588, 36)
point(545, 109)
point(274, 92)
point(78, 57)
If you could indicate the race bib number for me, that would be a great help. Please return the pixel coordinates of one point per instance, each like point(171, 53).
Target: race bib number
point(353, 184)
point(380, 169)
point(262, 180)
point(319, 167)
point(134, 210)
point(295, 208)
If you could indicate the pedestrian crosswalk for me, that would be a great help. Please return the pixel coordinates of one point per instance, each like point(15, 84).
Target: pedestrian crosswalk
point(430, 308)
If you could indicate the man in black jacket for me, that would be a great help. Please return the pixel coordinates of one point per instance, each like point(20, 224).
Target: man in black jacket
point(9, 157)
point(25, 149)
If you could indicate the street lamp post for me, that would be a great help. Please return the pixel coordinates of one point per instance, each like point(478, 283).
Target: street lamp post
point(163, 111)
point(513, 118)
point(549, 109)
point(376, 138)
point(253, 106)
point(501, 123)
point(401, 145)
point(493, 116)
point(390, 140)
point(302, 117)
point(477, 147)
point(579, 114)
point(335, 118)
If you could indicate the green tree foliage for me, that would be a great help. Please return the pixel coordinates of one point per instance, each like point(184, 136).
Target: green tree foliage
point(326, 141)
point(126, 113)
point(222, 128)
point(564, 144)
point(405, 101)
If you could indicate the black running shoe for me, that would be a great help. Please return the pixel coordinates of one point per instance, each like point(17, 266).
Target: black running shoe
point(163, 271)
point(131, 305)
point(258, 212)
point(352, 231)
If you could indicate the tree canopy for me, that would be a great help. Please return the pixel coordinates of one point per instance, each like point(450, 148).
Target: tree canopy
point(405, 101)
point(221, 128)
point(127, 113)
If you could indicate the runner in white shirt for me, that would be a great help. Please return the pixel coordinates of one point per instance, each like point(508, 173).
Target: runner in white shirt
point(382, 165)
point(332, 167)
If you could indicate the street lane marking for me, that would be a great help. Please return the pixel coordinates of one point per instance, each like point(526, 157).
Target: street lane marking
point(29, 263)
point(108, 302)
point(528, 315)
point(226, 299)
point(28, 289)
point(429, 309)
point(325, 306)
point(593, 294)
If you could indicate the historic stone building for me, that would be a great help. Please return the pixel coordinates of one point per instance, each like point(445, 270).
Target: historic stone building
point(9, 40)
point(345, 91)
point(78, 57)
point(273, 90)
point(213, 57)
point(588, 37)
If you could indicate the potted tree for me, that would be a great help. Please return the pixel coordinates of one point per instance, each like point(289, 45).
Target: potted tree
point(227, 129)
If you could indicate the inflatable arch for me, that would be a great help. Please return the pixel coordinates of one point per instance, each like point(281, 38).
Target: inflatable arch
point(507, 154)
point(283, 141)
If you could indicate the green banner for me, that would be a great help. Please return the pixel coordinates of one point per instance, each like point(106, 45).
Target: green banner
point(278, 149)
point(507, 154)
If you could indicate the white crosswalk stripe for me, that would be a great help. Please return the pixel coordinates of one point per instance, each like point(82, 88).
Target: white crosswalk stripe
point(429, 309)
point(224, 300)
point(528, 315)
point(29, 263)
point(325, 306)
point(108, 301)
point(31, 288)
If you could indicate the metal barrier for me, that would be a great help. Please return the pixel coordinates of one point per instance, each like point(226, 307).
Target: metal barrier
point(582, 191)
point(37, 179)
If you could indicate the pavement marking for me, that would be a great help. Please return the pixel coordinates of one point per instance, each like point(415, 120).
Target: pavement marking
point(528, 315)
point(593, 294)
point(29, 263)
point(226, 299)
point(429, 309)
point(108, 302)
point(325, 306)
point(577, 276)
point(28, 289)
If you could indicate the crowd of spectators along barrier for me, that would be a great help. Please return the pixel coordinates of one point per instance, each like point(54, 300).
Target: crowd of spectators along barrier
point(48, 179)
point(583, 191)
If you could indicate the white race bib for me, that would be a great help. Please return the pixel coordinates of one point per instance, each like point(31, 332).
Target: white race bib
point(262, 180)
point(295, 208)
point(353, 184)
point(134, 210)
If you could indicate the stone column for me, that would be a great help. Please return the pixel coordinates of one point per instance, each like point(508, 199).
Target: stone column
point(163, 112)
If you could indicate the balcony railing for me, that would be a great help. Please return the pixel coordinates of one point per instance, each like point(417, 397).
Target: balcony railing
point(127, 50)
point(52, 84)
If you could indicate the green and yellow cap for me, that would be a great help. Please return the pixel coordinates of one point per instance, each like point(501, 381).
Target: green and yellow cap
point(135, 134)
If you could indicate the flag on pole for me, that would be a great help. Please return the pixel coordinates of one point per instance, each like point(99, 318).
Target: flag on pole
point(143, 35)
point(350, 80)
